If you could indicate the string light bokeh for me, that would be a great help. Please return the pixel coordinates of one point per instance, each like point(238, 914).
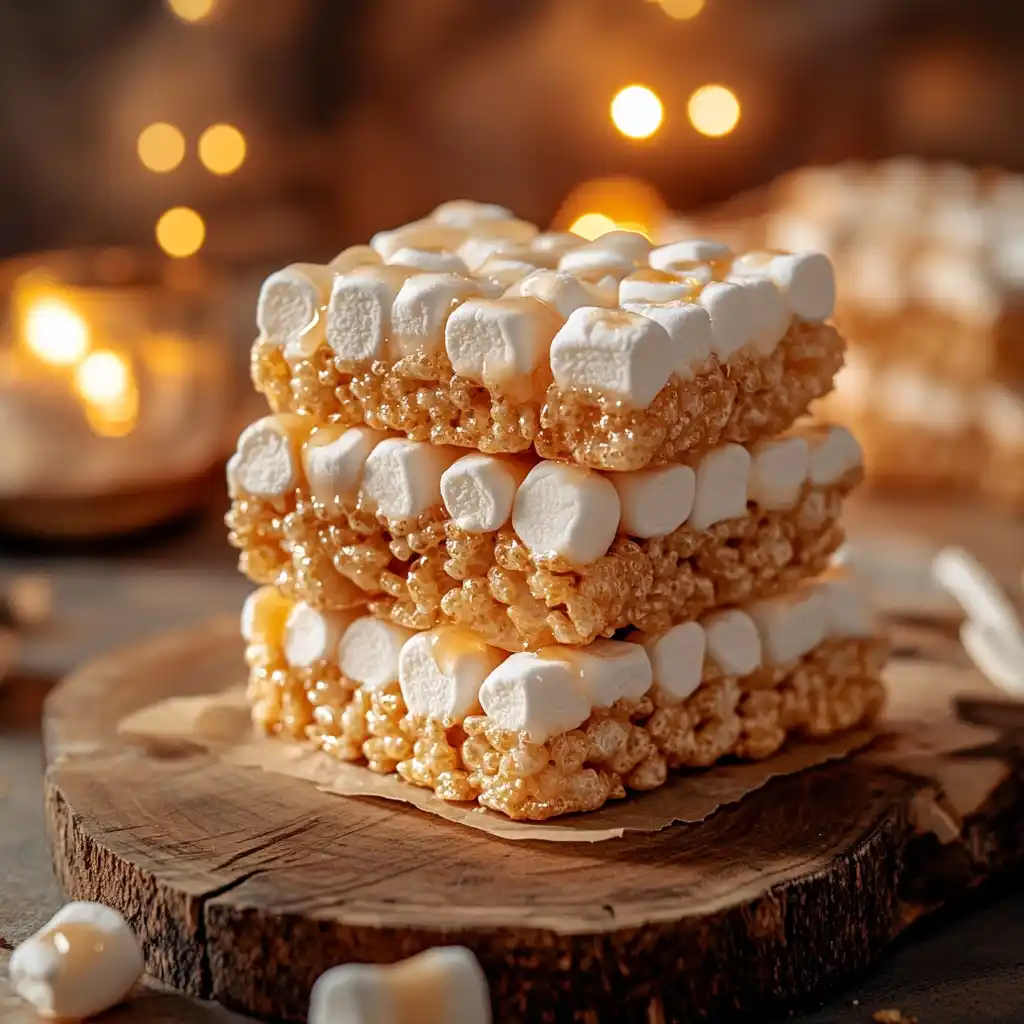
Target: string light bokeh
point(222, 149)
point(192, 10)
point(180, 232)
point(637, 111)
point(713, 110)
point(161, 147)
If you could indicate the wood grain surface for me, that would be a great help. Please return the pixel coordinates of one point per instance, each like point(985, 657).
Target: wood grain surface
point(245, 886)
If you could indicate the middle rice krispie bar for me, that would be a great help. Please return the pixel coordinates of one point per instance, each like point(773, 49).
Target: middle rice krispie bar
point(561, 730)
point(529, 552)
point(472, 328)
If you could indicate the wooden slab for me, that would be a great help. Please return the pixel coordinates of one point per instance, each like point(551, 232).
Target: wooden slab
point(246, 885)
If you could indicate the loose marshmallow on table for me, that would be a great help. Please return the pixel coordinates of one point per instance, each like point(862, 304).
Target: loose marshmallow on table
point(790, 625)
point(563, 292)
point(647, 285)
point(441, 671)
point(421, 234)
point(594, 261)
point(677, 658)
point(369, 651)
point(566, 511)
point(267, 460)
point(312, 635)
point(84, 960)
point(264, 616)
point(689, 330)
point(478, 491)
point(440, 986)
point(421, 310)
point(429, 260)
point(848, 609)
point(359, 311)
point(609, 670)
point(290, 300)
point(539, 693)
point(721, 490)
point(778, 471)
point(654, 501)
point(333, 460)
point(465, 213)
point(833, 452)
point(687, 251)
point(402, 478)
point(619, 354)
point(354, 256)
point(733, 643)
point(494, 341)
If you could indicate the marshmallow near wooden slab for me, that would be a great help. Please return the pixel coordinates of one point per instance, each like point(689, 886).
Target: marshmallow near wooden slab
point(654, 501)
point(369, 651)
point(333, 460)
point(421, 310)
point(402, 478)
point(264, 615)
point(83, 961)
point(291, 299)
point(677, 658)
point(733, 642)
point(479, 490)
point(440, 672)
point(778, 472)
point(689, 330)
point(267, 461)
point(791, 624)
point(440, 986)
point(312, 635)
point(566, 512)
point(564, 292)
point(359, 311)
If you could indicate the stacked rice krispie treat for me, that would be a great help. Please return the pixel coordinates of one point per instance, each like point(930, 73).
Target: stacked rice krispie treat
point(932, 263)
point(537, 520)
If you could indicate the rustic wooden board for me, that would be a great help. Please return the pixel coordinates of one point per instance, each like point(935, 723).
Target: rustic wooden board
point(245, 886)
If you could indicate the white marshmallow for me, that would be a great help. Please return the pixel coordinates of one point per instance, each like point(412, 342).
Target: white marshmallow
point(429, 260)
point(504, 270)
point(475, 252)
point(769, 316)
point(677, 658)
point(807, 281)
point(508, 228)
point(369, 651)
point(478, 491)
point(609, 670)
point(465, 213)
point(267, 459)
point(848, 609)
point(689, 329)
point(421, 310)
point(402, 478)
point(655, 286)
point(359, 311)
point(789, 625)
point(721, 486)
point(629, 243)
point(440, 986)
point(333, 460)
point(441, 671)
point(751, 264)
point(291, 299)
point(556, 243)
point(733, 309)
point(264, 615)
point(733, 643)
point(833, 452)
point(352, 257)
point(494, 341)
point(778, 471)
point(693, 250)
point(563, 292)
point(654, 501)
point(595, 261)
point(540, 694)
point(83, 961)
point(312, 635)
point(567, 512)
point(421, 234)
point(620, 354)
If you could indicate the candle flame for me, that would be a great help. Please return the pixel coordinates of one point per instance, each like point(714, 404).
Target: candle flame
point(105, 383)
point(55, 333)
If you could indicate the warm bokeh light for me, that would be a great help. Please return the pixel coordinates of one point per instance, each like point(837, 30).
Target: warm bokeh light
point(714, 110)
point(592, 225)
point(191, 10)
point(106, 385)
point(682, 10)
point(637, 112)
point(180, 231)
point(600, 205)
point(55, 332)
point(161, 147)
point(222, 148)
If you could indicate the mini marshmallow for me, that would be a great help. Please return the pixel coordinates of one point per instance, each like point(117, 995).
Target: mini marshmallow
point(778, 471)
point(504, 270)
point(677, 658)
point(429, 260)
point(619, 354)
point(733, 310)
point(359, 311)
point(475, 252)
point(594, 261)
point(564, 292)
point(267, 459)
point(421, 310)
point(440, 672)
point(465, 213)
point(290, 300)
point(264, 616)
point(494, 341)
point(693, 250)
point(402, 478)
point(833, 452)
point(733, 643)
point(369, 651)
point(807, 281)
point(769, 317)
point(508, 228)
point(83, 961)
point(421, 234)
point(566, 512)
point(556, 243)
point(440, 986)
point(354, 256)
point(333, 459)
point(689, 330)
point(540, 694)
point(721, 486)
point(654, 501)
point(312, 635)
point(478, 491)
point(630, 243)
point(848, 610)
point(790, 625)
point(655, 286)
point(609, 670)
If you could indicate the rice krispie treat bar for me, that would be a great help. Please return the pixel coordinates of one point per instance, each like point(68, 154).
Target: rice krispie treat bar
point(472, 328)
point(560, 730)
point(529, 552)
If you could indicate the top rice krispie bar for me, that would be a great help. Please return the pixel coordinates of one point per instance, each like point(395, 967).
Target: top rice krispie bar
point(475, 329)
